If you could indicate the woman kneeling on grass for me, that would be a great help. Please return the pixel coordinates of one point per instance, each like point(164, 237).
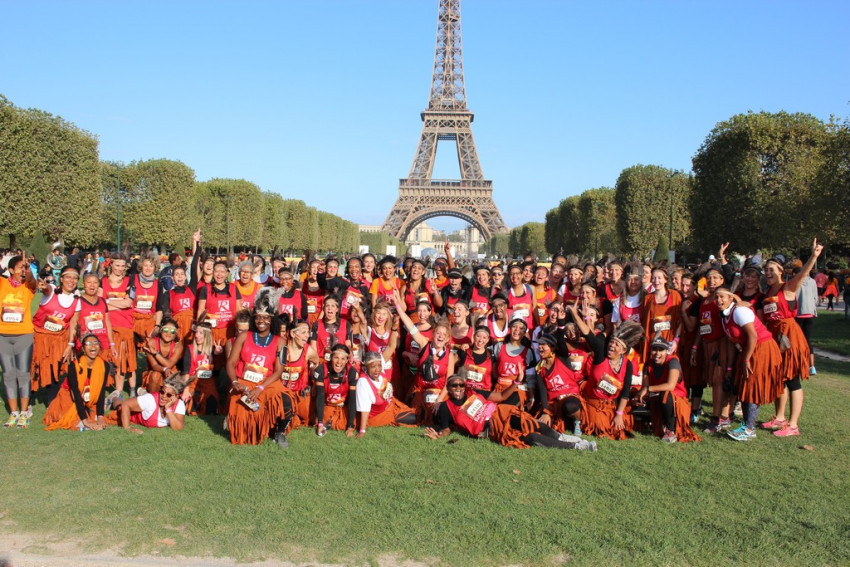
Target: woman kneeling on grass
point(335, 382)
point(376, 405)
point(80, 402)
point(605, 393)
point(668, 396)
point(159, 409)
point(471, 414)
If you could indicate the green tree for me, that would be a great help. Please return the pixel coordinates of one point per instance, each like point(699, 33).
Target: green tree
point(498, 245)
point(158, 204)
point(834, 187)
point(531, 239)
point(756, 182)
point(49, 177)
point(644, 197)
point(240, 201)
point(662, 252)
point(274, 223)
point(597, 223)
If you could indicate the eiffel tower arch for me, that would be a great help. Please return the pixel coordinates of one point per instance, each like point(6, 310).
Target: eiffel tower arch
point(421, 197)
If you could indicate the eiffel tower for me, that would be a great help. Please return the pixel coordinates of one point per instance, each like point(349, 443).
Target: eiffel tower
point(469, 198)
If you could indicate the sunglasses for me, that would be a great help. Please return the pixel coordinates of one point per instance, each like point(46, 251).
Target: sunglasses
point(168, 330)
point(167, 394)
point(457, 385)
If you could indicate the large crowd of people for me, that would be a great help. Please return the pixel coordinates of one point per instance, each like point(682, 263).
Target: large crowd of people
point(523, 353)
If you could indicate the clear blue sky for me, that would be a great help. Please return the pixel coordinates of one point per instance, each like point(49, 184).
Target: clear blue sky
point(320, 99)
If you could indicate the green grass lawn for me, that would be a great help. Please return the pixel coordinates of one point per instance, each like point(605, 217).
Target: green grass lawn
point(766, 502)
point(831, 332)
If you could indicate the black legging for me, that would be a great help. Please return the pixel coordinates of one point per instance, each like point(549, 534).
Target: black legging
point(406, 418)
point(288, 412)
point(544, 436)
point(668, 414)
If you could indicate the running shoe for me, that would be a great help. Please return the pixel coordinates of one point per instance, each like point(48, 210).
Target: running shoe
point(140, 392)
point(23, 420)
point(694, 418)
point(669, 437)
point(812, 371)
point(13, 419)
point(787, 431)
point(774, 423)
point(716, 426)
point(111, 398)
point(280, 439)
point(742, 433)
point(577, 429)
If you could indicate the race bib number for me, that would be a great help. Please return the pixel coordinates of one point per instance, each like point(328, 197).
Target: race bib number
point(388, 392)
point(661, 326)
point(476, 406)
point(431, 397)
point(474, 376)
point(608, 387)
point(520, 313)
point(86, 395)
point(53, 327)
point(12, 317)
point(204, 374)
point(145, 304)
point(541, 312)
point(213, 323)
point(576, 363)
point(352, 299)
point(285, 377)
point(311, 309)
point(94, 324)
point(522, 387)
point(770, 308)
point(705, 329)
point(637, 380)
point(251, 376)
point(327, 356)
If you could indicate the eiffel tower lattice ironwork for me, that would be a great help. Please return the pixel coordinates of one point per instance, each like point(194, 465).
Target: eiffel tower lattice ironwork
point(447, 118)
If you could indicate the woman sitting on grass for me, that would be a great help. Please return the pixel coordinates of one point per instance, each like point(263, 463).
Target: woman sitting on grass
point(668, 396)
point(376, 405)
point(80, 402)
point(471, 414)
point(335, 382)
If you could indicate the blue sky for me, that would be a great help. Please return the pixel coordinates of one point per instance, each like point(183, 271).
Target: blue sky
point(320, 99)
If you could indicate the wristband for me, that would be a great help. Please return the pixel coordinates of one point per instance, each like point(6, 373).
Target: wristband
point(260, 386)
point(320, 424)
point(728, 369)
point(70, 343)
point(618, 412)
point(675, 339)
point(362, 431)
point(694, 347)
point(111, 344)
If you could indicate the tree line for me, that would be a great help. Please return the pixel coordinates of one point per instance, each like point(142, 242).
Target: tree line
point(53, 183)
point(769, 181)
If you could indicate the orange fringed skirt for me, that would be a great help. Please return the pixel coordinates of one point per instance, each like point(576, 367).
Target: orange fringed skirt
point(598, 419)
point(205, 390)
point(765, 384)
point(682, 410)
point(336, 417)
point(57, 415)
point(126, 347)
point(47, 350)
point(501, 430)
point(557, 414)
point(152, 381)
point(249, 427)
point(184, 325)
point(423, 409)
point(795, 354)
point(389, 416)
point(143, 324)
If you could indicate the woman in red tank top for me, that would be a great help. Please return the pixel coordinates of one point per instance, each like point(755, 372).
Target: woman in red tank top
point(162, 353)
point(54, 327)
point(198, 372)
point(779, 307)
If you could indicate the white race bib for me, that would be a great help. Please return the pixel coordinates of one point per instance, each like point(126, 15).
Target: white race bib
point(770, 308)
point(607, 387)
point(145, 304)
point(204, 374)
point(388, 392)
point(705, 329)
point(475, 407)
point(311, 309)
point(431, 397)
point(213, 322)
point(541, 312)
point(474, 376)
point(661, 326)
point(252, 376)
point(94, 324)
point(637, 380)
point(520, 313)
point(12, 317)
point(53, 327)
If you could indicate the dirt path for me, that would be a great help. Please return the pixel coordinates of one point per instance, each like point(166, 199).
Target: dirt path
point(28, 550)
point(831, 355)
